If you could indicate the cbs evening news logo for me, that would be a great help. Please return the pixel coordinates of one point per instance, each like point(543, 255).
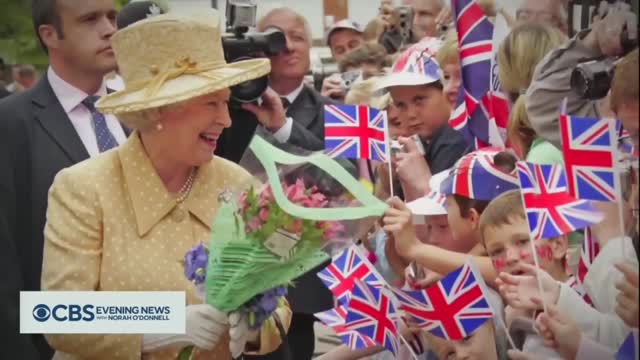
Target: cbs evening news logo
point(75, 312)
point(98, 312)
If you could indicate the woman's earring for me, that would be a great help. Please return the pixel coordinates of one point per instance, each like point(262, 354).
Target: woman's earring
point(159, 126)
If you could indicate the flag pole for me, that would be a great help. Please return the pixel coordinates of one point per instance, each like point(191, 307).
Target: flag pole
point(389, 152)
point(617, 182)
point(535, 253)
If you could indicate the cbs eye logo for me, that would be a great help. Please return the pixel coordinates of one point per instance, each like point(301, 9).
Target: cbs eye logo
point(41, 312)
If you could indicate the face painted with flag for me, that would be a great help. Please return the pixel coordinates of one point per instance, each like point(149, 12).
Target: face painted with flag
point(453, 308)
point(356, 132)
point(551, 210)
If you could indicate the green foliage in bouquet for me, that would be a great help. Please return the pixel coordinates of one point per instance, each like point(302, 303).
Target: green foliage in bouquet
point(241, 266)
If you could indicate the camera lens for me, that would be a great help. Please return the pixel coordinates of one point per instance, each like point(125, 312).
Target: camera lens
point(249, 91)
point(592, 80)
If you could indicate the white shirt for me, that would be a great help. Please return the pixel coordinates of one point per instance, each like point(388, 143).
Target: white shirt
point(284, 133)
point(71, 99)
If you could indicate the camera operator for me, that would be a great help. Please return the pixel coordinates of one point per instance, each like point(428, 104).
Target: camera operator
point(552, 79)
point(290, 111)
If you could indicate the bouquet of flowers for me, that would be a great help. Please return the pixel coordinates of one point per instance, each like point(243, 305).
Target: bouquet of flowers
point(269, 235)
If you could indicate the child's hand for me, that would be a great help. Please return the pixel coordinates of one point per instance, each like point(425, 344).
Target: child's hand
point(520, 291)
point(627, 299)
point(559, 332)
point(398, 221)
point(428, 278)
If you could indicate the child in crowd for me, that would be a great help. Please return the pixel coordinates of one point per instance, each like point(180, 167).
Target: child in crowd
point(472, 183)
point(505, 236)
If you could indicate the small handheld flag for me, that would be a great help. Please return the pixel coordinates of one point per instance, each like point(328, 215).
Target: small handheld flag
point(371, 313)
point(453, 308)
point(588, 146)
point(551, 210)
point(356, 132)
point(346, 268)
point(335, 319)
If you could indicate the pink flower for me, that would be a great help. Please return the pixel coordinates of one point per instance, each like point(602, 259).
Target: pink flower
point(264, 214)
point(315, 200)
point(254, 224)
point(266, 197)
point(296, 193)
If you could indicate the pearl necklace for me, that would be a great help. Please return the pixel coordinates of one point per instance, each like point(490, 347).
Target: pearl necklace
point(186, 188)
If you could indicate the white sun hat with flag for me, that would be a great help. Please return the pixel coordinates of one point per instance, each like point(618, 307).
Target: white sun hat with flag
point(416, 66)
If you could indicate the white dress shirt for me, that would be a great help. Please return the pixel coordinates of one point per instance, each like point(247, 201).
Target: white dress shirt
point(284, 133)
point(71, 99)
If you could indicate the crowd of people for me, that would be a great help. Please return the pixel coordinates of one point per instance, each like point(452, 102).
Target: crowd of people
point(105, 190)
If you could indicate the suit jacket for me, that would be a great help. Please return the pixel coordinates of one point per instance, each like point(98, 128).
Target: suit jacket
point(113, 226)
point(39, 140)
point(307, 111)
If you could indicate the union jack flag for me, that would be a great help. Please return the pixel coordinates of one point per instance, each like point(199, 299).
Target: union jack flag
point(372, 314)
point(476, 176)
point(355, 132)
point(453, 308)
point(475, 38)
point(551, 210)
point(346, 268)
point(588, 147)
point(629, 348)
point(335, 319)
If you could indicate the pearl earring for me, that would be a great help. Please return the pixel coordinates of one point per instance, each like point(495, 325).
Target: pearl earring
point(159, 127)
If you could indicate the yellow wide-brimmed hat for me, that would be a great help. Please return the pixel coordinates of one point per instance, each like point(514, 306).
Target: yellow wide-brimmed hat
point(170, 58)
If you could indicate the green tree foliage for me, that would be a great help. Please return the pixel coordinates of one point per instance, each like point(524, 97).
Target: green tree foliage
point(18, 42)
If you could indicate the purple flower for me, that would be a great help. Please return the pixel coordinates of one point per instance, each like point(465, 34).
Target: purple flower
point(261, 307)
point(195, 264)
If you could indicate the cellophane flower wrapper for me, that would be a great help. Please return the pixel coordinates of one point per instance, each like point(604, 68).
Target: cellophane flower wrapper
point(301, 210)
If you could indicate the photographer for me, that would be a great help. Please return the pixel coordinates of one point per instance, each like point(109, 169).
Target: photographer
point(552, 78)
point(290, 111)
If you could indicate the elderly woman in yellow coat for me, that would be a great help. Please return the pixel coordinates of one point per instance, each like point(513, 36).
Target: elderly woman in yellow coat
point(124, 220)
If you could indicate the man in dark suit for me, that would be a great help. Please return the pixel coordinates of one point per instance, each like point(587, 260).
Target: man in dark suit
point(43, 130)
point(300, 124)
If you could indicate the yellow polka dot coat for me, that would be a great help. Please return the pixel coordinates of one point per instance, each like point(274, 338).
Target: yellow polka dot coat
point(112, 226)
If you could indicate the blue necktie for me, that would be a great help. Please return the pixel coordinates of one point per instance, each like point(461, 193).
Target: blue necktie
point(105, 138)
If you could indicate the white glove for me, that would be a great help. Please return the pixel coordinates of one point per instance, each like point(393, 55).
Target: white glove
point(240, 333)
point(205, 325)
